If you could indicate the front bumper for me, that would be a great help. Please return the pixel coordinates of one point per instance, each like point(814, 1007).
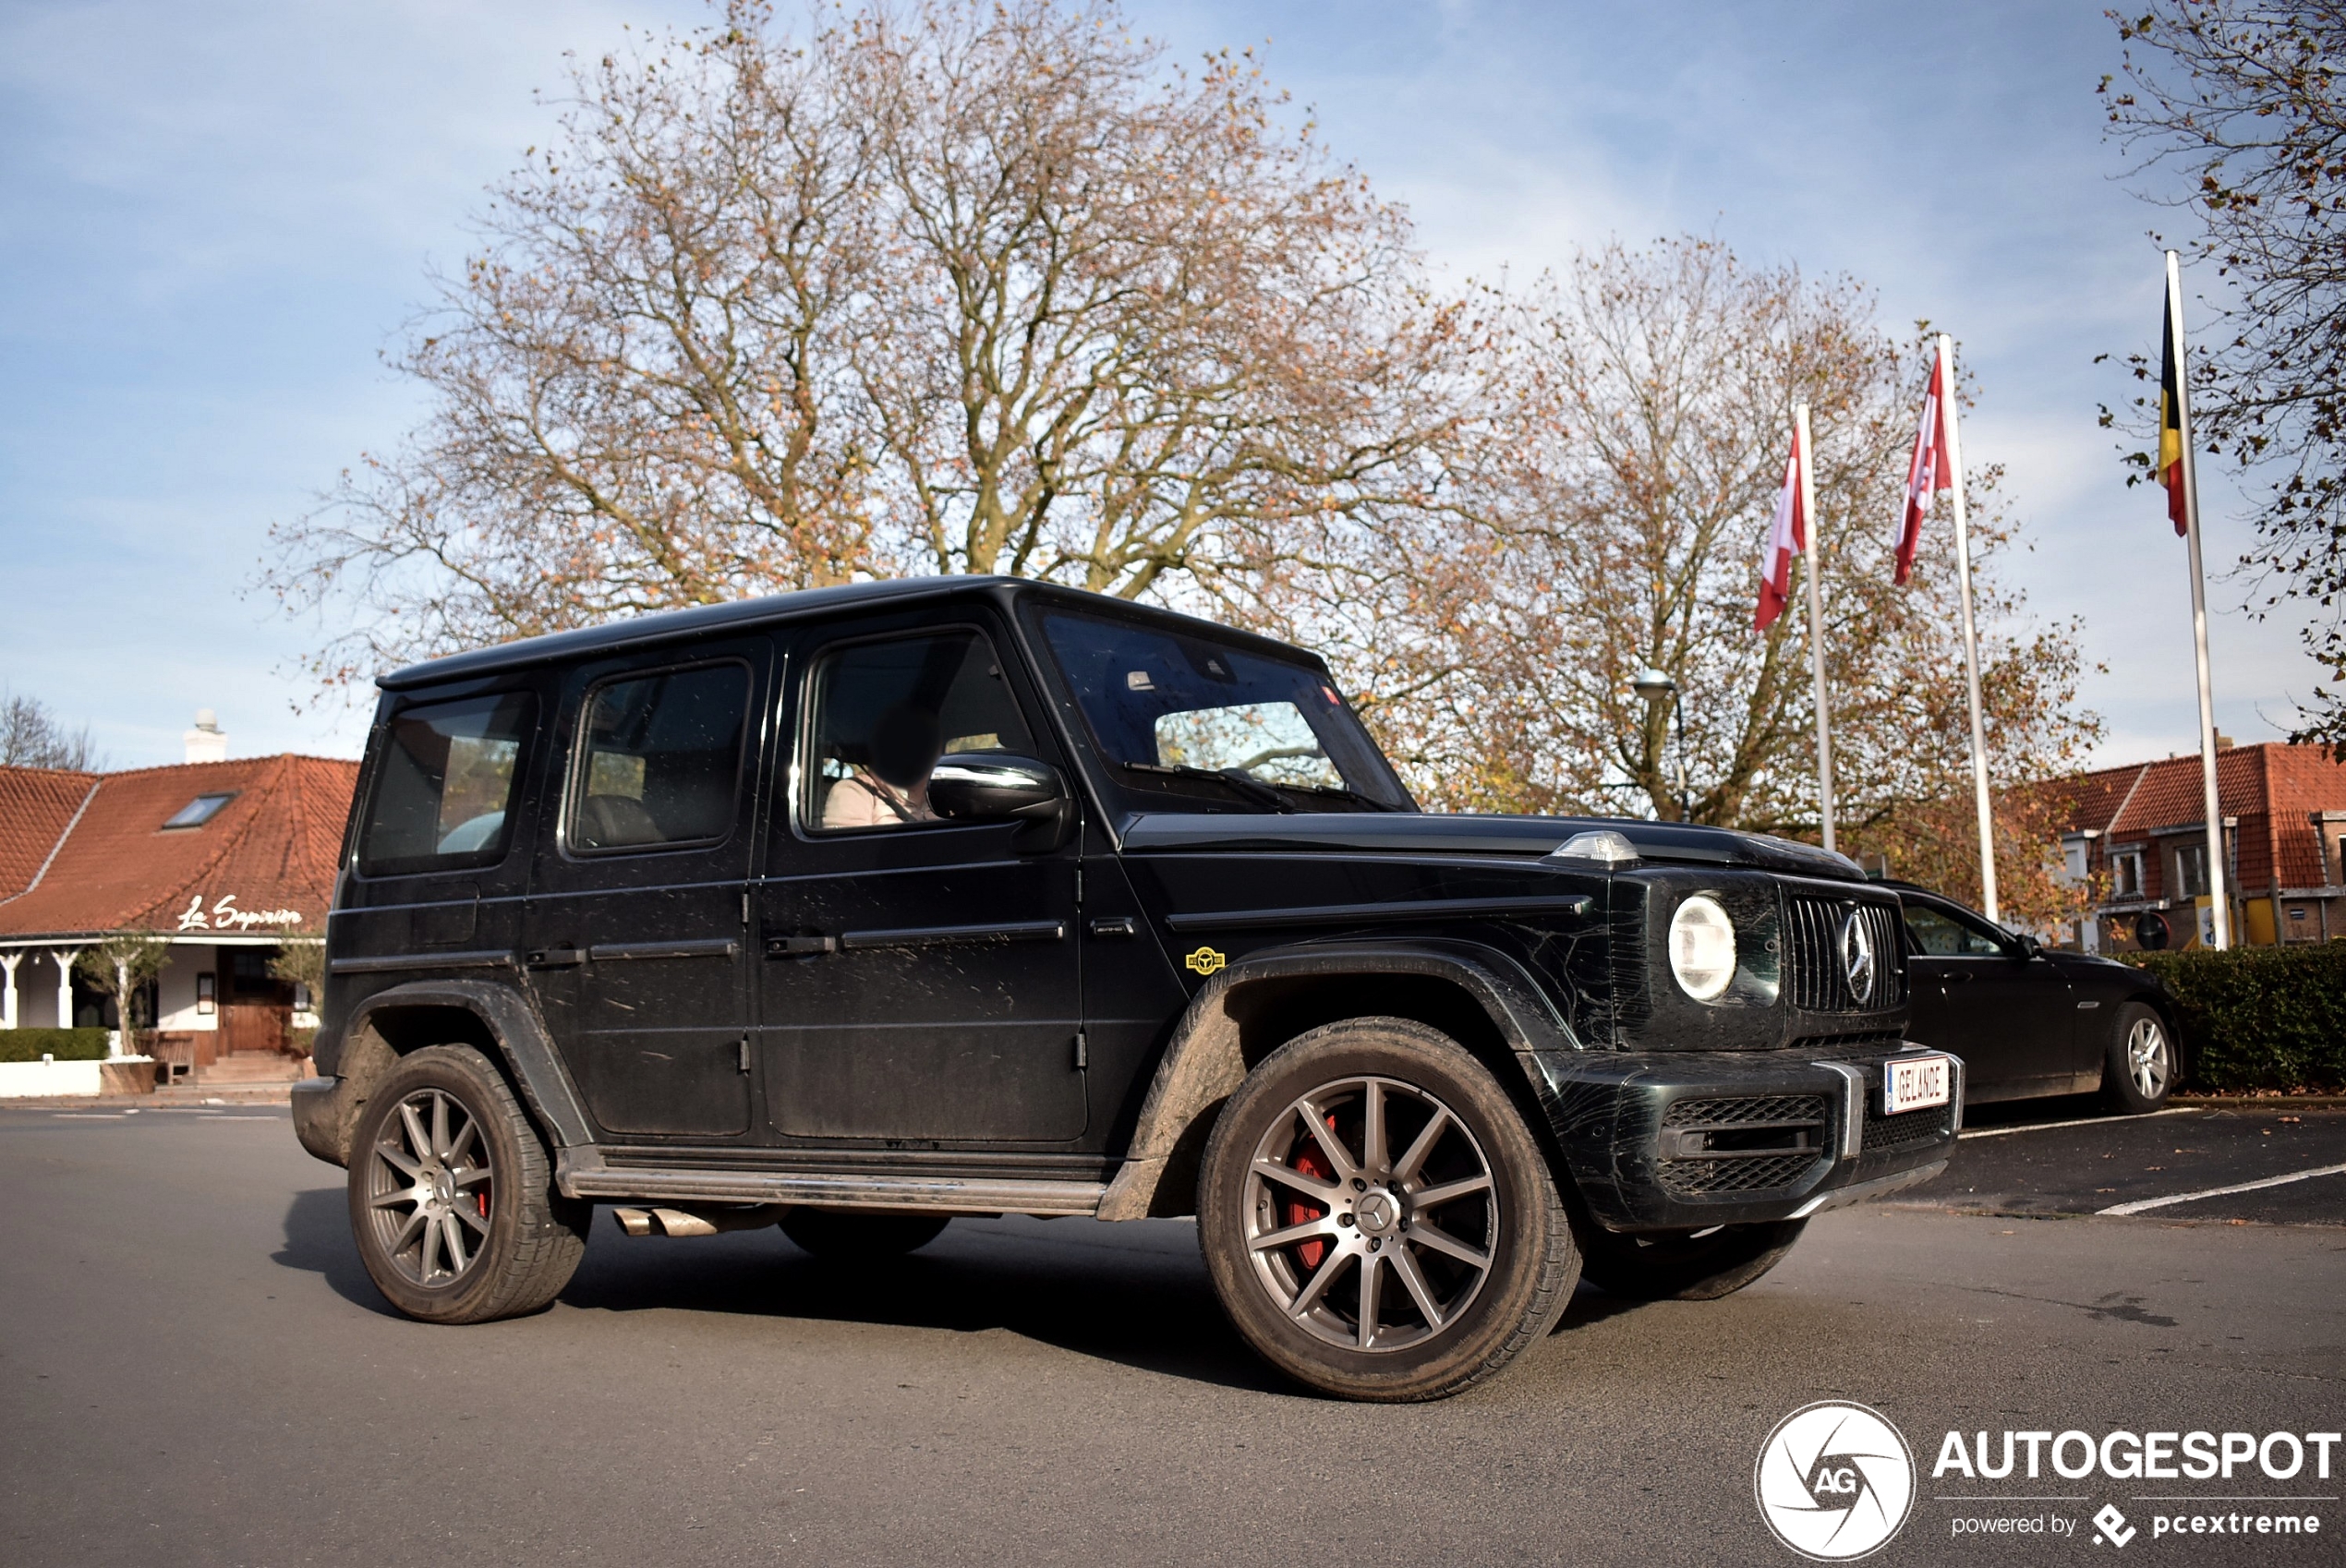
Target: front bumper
point(1684, 1140)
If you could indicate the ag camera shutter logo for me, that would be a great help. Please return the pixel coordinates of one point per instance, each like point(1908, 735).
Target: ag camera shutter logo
point(1834, 1481)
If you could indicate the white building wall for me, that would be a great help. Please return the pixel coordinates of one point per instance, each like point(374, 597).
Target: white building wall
point(176, 1005)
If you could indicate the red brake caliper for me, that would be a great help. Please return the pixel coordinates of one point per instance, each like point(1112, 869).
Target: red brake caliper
point(1313, 1164)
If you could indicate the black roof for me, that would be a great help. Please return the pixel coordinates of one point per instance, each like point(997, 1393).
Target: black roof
point(701, 619)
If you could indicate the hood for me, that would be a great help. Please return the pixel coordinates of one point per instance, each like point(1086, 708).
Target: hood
point(1462, 833)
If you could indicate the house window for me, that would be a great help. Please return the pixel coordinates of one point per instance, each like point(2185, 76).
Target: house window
point(2191, 870)
point(2126, 874)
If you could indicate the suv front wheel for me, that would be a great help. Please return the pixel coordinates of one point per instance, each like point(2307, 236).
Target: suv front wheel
point(1377, 1220)
point(451, 1198)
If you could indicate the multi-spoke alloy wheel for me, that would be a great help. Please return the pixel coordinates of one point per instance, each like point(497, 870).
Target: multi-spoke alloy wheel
point(2147, 1059)
point(452, 1200)
point(1376, 1218)
point(429, 1182)
point(1370, 1213)
point(2142, 1066)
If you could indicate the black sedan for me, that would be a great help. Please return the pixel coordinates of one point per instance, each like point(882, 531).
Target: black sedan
point(2029, 1020)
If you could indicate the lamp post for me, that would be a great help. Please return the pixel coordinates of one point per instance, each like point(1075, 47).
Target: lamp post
point(1655, 685)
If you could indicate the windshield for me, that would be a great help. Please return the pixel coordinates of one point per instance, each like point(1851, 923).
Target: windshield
point(1201, 725)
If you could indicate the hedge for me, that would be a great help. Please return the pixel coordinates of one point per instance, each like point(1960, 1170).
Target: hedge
point(66, 1044)
point(2260, 1017)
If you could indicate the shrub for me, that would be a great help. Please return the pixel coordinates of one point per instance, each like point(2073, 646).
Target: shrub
point(66, 1044)
point(2260, 1017)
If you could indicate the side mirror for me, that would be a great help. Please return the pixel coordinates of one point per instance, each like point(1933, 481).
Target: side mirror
point(2030, 946)
point(989, 787)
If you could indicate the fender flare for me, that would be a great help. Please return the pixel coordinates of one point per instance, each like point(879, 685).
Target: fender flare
point(521, 1039)
point(1203, 1065)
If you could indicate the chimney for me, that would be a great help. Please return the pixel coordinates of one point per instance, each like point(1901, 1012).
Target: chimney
point(205, 742)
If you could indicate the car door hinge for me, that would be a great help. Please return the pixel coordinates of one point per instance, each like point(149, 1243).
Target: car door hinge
point(744, 1052)
point(745, 906)
point(1079, 887)
point(1083, 1052)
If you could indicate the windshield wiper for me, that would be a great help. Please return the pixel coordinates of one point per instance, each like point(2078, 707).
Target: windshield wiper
point(1371, 802)
point(1251, 788)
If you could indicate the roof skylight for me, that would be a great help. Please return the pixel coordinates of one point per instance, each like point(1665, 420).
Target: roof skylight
point(201, 809)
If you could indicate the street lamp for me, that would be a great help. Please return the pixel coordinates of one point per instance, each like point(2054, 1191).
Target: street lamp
point(1654, 686)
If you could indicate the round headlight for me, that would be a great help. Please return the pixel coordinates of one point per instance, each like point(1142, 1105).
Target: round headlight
point(1702, 948)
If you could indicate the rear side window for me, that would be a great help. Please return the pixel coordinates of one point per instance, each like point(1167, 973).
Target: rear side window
point(443, 786)
point(659, 759)
point(1940, 935)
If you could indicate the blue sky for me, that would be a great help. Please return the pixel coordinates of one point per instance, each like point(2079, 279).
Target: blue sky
point(215, 217)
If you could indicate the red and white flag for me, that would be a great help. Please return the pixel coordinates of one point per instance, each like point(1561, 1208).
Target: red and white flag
point(1930, 472)
point(1787, 537)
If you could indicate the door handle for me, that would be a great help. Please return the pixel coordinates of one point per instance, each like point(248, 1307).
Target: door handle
point(557, 958)
point(800, 946)
point(1114, 925)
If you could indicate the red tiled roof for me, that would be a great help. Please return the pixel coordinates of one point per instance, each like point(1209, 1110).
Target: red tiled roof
point(35, 805)
point(273, 847)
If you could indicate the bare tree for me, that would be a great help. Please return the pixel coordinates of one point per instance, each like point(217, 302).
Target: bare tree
point(966, 287)
point(1653, 395)
point(2235, 113)
point(31, 736)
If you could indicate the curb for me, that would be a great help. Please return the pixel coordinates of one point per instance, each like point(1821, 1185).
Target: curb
point(2260, 1102)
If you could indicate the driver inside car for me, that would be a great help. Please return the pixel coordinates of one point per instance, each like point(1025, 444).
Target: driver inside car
point(890, 786)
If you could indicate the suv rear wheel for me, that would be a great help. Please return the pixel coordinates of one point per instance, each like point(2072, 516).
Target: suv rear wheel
point(1377, 1220)
point(452, 1197)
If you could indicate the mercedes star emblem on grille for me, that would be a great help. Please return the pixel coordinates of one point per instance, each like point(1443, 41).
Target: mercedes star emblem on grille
point(1858, 961)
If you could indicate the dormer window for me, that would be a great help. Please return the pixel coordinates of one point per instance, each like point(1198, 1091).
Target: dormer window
point(198, 811)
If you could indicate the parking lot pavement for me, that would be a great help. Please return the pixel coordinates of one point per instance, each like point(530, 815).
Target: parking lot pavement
point(194, 1369)
point(2068, 1157)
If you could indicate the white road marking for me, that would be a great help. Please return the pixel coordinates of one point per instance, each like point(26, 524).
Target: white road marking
point(2081, 1121)
point(2145, 1204)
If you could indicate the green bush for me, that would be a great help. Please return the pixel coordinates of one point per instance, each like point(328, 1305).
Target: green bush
point(2260, 1017)
point(66, 1044)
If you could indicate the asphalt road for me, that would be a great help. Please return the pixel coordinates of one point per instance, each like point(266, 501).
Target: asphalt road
point(196, 1371)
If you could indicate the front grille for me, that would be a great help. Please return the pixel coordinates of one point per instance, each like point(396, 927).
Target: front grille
point(1748, 1143)
point(1707, 1178)
point(1798, 1108)
point(1909, 1130)
point(1815, 979)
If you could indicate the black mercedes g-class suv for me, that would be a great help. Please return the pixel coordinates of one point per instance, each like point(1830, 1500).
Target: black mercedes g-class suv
point(857, 909)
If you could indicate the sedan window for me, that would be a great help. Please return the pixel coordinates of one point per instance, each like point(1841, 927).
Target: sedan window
point(1940, 934)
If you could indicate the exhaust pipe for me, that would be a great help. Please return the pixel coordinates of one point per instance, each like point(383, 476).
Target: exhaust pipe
point(697, 1221)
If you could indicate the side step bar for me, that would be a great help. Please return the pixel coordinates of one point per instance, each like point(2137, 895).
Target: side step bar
point(581, 1173)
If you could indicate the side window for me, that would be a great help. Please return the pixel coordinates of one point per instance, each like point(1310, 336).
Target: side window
point(660, 758)
point(884, 713)
point(1939, 935)
point(443, 781)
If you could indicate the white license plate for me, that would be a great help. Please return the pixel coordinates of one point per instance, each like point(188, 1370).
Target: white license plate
point(1909, 1083)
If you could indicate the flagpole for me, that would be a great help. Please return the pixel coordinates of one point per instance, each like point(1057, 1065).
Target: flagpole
point(2219, 903)
point(1816, 620)
point(1970, 635)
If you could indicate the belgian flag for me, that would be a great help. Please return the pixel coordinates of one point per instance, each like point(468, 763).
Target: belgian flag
point(2170, 423)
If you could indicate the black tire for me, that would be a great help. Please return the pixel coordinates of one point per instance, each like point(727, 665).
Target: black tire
point(2140, 1064)
point(861, 1235)
point(1443, 1193)
point(446, 1237)
point(1682, 1266)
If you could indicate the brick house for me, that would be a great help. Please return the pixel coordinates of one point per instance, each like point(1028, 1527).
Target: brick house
point(222, 859)
point(2141, 827)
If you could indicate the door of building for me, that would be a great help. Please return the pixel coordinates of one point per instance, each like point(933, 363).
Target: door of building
point(256, 1008)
